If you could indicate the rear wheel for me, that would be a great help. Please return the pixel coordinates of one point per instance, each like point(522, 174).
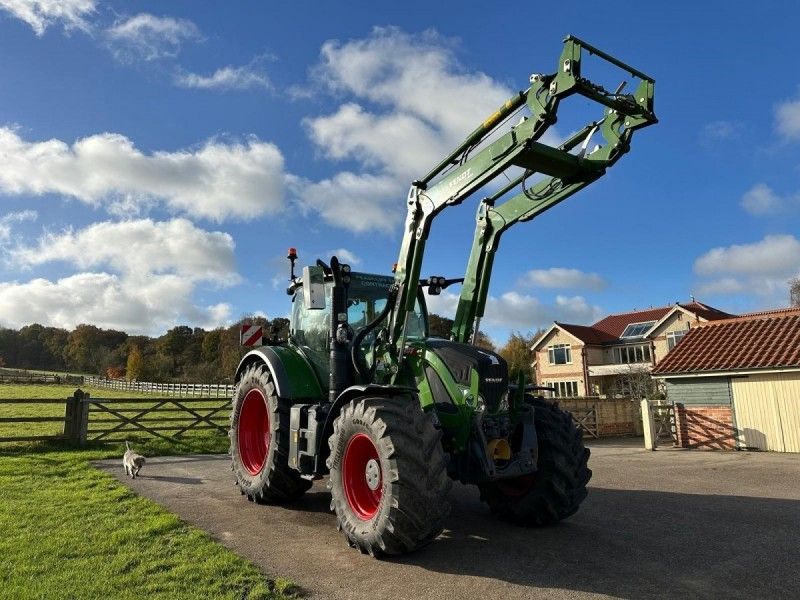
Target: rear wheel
point(259, 436)
point(558, 487)
point(388, 476)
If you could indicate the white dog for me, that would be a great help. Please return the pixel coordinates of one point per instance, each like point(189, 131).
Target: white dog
point(132, 462)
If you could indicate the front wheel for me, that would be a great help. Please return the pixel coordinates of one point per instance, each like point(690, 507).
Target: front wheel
point(558, 487)
point(259, 436)
point(388, 475)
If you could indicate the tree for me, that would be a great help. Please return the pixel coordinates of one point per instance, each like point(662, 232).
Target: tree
point(636, 383)
point(133, 370)
point(519, 356)
point(794, 291)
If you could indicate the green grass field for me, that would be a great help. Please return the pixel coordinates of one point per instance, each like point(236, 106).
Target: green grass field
point(72, 531)
point(24, 392)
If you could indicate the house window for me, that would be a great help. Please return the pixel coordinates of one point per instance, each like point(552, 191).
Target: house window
point(565, 389)
point(560, 354)
point(673, 337)
point(632, 354)
point(637, 329)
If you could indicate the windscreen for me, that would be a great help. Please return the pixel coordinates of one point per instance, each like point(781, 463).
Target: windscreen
point(367, 297)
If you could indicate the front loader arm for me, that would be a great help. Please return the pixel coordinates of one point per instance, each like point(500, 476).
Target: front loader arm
point(617, 127)
point(460, 175)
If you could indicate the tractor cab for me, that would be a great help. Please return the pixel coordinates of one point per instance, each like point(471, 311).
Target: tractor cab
point(367, 295)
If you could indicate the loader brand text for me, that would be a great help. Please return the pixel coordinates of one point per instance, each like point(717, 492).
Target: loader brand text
point(465, 175)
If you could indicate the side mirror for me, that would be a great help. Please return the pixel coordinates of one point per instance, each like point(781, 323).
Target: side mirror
point(313, 289)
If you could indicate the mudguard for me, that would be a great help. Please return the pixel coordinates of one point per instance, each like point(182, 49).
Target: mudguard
point(294, 377)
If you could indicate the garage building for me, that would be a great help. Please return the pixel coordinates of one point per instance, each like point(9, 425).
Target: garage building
point(736, 383)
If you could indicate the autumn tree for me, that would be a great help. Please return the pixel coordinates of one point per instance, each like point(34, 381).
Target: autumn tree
point(519, 356)
point(133, 370)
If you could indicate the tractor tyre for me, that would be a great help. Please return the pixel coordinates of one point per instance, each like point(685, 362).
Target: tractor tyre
point(259, 436)
point(557, 488)
point(388, 475)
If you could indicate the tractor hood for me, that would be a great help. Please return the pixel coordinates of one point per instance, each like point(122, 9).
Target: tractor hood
point(462, 358)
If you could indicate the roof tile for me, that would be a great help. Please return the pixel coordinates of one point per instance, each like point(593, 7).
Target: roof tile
point(753, 342)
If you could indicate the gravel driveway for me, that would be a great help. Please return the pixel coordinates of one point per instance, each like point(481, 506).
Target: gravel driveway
point(669, 523)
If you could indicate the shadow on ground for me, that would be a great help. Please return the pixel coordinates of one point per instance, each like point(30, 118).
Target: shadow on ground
point(633, 544)
point(626, 543)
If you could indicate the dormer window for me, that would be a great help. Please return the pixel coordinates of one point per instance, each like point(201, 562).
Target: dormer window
point(635, 330)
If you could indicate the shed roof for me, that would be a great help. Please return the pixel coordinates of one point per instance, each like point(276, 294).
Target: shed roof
point(752, 342)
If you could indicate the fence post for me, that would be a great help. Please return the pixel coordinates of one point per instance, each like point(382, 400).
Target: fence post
point(649, 425)
point(71, 418)
point(83, 429)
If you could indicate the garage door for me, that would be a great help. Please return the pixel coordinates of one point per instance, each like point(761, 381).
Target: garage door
point(767, 409)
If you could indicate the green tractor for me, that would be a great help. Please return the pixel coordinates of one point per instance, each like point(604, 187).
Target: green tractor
point(361, 393)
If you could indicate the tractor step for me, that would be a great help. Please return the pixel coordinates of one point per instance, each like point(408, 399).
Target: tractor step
point(305, 427)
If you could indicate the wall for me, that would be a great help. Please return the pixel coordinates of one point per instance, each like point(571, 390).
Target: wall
point(705, 427)
point(614, 417)
point(767, 408)
point(547, 373)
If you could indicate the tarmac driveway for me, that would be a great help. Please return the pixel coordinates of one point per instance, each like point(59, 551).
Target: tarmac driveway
point(656, 524)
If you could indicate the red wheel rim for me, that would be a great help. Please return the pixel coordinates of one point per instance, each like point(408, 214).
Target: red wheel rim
point(254, 432)
point(362, 476)
point(516, 486)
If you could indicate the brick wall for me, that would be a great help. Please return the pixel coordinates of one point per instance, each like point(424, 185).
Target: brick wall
point(705, 427)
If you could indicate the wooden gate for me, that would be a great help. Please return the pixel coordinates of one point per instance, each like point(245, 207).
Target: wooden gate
point(586, 420)
point(106, 420)
point(664, 419)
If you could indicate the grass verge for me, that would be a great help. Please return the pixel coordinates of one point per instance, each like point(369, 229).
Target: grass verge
point(72, 531)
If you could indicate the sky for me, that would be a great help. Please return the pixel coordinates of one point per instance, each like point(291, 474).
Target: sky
point(157, 159)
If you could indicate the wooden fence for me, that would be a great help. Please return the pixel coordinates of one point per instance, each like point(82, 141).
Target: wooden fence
point(184, 390)
point(104, 420)
point(40, 378)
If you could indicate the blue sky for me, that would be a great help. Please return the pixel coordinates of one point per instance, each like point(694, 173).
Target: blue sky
point(157, 159)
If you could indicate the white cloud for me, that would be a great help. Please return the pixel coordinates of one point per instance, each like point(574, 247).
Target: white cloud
point(758, 269)
point(787, 119)
point(561, 278)
point(359, 203)
point(7, 220)
point(106, 300)
point(139, 276)
point(430, 103)
point(521, 312)
point(344, 255)
point(148, 37)
point(139, 249)
point(227, 78)
point(762, 200)
point(722, 286)
point(216, 181)
point(410, 103)
point(777, 255)
point(41, 14)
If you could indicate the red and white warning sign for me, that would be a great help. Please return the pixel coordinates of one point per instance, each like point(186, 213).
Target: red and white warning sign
point(251, 335)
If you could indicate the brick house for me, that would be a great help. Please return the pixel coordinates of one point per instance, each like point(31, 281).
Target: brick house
point(736, 383)
point(604, 359)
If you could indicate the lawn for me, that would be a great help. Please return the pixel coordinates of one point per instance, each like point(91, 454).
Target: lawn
point(24, 392)
point(72, 531)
